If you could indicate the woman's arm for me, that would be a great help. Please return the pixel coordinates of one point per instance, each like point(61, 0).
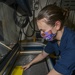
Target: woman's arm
point(39, 58)
point(54, 72)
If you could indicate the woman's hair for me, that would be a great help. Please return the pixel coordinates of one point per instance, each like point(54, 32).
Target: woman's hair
point(52, 13)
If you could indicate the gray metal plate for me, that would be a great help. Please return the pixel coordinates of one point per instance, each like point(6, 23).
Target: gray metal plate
point(36, 69)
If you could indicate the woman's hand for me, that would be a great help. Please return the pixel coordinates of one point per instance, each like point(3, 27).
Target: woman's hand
point(26, 66)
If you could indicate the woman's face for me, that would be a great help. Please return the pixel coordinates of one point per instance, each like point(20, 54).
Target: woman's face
point(43, 27)
point(46, 30)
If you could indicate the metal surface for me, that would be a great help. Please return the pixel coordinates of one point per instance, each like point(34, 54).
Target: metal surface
point(9, 59)
point(36, 69)
point(3, 50)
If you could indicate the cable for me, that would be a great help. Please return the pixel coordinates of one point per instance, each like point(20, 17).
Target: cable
point(40, 4)
point(22, 23)
point(46, 2)
point(32, 32)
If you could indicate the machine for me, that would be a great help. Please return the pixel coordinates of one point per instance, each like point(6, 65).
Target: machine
point(18, 56)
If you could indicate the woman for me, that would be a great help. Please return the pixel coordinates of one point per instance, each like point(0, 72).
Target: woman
point(61, 39)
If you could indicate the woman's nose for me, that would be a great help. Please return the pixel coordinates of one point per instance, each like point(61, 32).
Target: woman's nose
point(41, 32)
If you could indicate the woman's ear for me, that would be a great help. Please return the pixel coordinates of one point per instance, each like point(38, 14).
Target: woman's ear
point(58, 25)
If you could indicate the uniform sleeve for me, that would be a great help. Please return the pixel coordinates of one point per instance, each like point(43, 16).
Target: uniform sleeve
point(49, 48)
point(66, 64)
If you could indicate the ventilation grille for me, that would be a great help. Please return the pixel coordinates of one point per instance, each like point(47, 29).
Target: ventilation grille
point(70, 4)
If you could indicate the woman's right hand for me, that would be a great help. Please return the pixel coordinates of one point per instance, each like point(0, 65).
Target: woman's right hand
point(26, 66)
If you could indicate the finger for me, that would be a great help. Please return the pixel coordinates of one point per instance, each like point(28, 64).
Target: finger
point(23, 67)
